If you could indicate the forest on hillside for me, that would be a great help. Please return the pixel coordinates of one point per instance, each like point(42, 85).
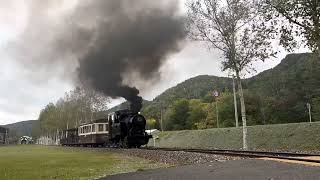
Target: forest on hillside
point(278, 95)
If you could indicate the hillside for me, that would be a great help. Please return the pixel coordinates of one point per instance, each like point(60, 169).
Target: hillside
point(194, 88)
point(286, 137)
point(287, 88)
point(23, 128)
point(277, 95)
point(293, 68)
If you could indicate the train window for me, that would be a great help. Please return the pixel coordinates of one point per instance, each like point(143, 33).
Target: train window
point(100, 127)
point(106, 127)
point(93, 128)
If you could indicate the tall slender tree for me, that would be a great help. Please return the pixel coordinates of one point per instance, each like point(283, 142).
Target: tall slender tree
point(235, 28)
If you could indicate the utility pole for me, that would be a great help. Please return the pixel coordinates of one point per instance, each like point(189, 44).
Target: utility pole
point(309, 110)
point(217, 110)
point(215, 94)
point(235, 102)
point(161, 115)
point(161, 118)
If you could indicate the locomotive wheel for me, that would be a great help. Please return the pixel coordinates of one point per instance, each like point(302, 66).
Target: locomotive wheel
point(125, 143)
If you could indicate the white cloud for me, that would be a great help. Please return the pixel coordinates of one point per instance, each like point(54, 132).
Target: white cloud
point(21, 98)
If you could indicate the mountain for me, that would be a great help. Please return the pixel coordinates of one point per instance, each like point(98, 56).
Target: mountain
point(23, 128)
point(124, 105)
point(277, 95)
point(194, 88)
point(287, 88)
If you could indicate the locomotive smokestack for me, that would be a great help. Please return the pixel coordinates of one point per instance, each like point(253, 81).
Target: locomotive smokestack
point(110, 43)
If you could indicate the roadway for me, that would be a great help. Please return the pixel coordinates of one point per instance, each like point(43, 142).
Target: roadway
point(245, 169)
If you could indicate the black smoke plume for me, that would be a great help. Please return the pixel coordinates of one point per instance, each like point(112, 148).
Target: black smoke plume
point(114, 39)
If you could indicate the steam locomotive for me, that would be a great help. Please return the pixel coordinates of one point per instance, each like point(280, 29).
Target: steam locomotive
point(121, 128)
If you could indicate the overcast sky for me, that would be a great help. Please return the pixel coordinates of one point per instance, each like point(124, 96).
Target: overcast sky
point(22, 98)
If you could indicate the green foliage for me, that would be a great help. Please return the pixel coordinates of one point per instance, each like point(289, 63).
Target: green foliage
point(177, 116)
point(193, 88)
point(285, 90)
point(315, 107)
point(151, 123)
point(226, 110)
point(197, 113)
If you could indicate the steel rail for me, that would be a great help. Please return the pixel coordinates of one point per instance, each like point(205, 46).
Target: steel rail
point(250, 154)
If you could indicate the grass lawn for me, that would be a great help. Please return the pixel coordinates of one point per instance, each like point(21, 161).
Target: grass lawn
point(44, 162)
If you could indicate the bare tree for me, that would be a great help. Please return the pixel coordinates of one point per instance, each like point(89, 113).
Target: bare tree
point(75, 108)
point(235, 28)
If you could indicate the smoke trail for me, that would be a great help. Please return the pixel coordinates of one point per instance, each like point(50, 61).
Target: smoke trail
point(112, 39)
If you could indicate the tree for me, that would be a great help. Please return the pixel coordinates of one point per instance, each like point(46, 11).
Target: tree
point(78, 106)
point(176, 117)
point(197, 113)
point(315, 107)
point(235, 28)
point(226, 109)
point(151, 123)
point(300, 18)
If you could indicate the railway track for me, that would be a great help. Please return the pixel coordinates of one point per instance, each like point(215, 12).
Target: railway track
point(302, 157)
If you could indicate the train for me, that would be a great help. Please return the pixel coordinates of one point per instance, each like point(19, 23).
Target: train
point(3, 135)
point(122, 128)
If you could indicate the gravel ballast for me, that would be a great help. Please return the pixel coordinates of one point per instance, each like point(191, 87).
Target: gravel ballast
point(174, 157)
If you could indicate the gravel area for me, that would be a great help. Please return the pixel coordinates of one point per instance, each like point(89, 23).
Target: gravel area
point(174, 157)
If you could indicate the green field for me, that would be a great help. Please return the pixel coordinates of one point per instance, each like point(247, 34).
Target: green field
point(295, 136)
point(43, 162)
